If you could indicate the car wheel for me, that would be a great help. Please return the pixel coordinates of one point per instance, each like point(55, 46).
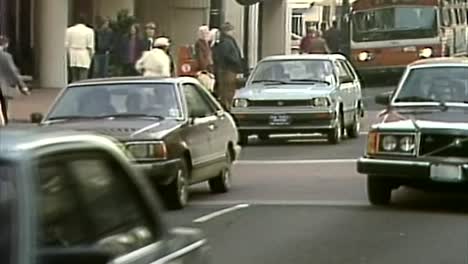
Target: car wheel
point(354, 129)
point(222, 182)
point(264, 137)
point(176, 193)
point(336, 134)
point(379, 192)
point(243, 138)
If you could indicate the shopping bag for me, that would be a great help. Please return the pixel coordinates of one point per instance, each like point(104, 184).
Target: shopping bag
point(207, 80)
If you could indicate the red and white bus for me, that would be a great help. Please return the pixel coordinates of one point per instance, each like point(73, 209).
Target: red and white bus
point(386, 35)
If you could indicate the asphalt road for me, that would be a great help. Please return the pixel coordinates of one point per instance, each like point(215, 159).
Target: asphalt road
point(300, 200)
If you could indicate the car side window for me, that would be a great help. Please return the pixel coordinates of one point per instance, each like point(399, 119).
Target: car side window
point(343, 72)
point(352, 72)
point(87, 200)
point(197, 105)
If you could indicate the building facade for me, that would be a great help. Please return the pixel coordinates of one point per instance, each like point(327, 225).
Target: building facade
point(37, 27)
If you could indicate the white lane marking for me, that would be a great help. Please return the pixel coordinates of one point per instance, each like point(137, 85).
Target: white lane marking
point(208, 217)
point(282, 162)
point(337, 203)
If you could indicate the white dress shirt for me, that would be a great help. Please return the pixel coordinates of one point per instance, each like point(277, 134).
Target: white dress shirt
point(80, 46)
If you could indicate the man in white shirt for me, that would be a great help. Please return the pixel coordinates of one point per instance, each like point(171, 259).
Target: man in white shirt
point(156, 62)
point(80, 47)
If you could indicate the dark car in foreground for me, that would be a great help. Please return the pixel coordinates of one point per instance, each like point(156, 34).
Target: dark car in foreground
point(422, 138)
point(176, 131)
point(68, 197)
point(305, 94)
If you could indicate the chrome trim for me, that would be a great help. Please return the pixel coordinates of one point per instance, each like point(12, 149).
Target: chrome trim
point(283, 127)
point(137, 254)
point(181, 252)
point(394, 162)
point(414, 153)
point(272, 111)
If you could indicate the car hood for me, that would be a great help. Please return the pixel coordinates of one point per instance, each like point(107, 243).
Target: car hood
point(410, 118)
point(123, 129)
point(283, 92)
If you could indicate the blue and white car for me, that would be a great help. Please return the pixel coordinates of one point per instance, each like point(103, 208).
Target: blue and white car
point(300, 94)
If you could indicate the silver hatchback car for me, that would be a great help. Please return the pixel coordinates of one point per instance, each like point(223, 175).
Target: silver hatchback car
point(300, 94)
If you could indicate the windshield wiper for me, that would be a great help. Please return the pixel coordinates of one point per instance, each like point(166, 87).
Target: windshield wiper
point(311, 80)
point(69, 117)
point(414, 99)
point(130, 115)
point(270, 81)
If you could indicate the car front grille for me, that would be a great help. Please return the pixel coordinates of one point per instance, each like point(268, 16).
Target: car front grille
point(279, 103)
point(430, 143)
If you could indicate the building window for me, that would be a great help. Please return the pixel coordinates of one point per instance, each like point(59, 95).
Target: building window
point(298, 24)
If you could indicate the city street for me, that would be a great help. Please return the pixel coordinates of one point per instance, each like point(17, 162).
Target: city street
point(301, 201)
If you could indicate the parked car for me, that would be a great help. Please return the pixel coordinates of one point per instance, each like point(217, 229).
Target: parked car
point(69, 197)
point(300, 94)
point(421, 139)
point(175, 130)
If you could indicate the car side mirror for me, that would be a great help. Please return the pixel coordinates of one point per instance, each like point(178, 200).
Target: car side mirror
point(383, 99)
point(73, 256)
point(36, 118)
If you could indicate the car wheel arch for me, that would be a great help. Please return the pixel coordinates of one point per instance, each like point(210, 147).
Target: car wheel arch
point(186, 154)
point(231, 150)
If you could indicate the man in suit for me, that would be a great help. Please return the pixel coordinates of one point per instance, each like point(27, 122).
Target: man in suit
point(10, 79)
point(79, 41)
point(150, 35)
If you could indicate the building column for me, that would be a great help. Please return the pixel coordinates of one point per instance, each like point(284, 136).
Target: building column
point(276, 35)
point(52, 24)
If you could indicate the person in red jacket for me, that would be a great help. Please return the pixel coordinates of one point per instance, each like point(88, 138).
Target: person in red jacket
point(313, 43)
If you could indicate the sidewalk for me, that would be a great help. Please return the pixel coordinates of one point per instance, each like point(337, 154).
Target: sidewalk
point(39, 101)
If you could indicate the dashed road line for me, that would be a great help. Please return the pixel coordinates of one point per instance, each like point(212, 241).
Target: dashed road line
point(210, 216)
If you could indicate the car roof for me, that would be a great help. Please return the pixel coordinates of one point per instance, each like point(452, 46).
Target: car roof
point(305, 57)
point(137, 79)
point(439, 62)
point(15, 140)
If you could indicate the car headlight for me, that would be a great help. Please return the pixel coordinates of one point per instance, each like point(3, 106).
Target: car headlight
point(147, 150)
point(389, 143)
point(425, 53)
point(407, 144)
point(320, 102)
point(241, 103)
point(364, 56)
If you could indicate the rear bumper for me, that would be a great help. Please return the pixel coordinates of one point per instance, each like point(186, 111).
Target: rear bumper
point(369, 71)
point(160, 172)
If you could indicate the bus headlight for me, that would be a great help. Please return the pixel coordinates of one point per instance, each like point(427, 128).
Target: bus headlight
point(364, 56)
point(425, 53)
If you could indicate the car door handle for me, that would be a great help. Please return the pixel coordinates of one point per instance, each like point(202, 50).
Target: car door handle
point(211, 127)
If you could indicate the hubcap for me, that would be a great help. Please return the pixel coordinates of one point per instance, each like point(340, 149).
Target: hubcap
point(182, 184)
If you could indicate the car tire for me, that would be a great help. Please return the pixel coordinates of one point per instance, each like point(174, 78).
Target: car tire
point(354, 129)
point(336, 134)
point(379, 192)
point(243, 138)
point(176, 193)
point(222, 182)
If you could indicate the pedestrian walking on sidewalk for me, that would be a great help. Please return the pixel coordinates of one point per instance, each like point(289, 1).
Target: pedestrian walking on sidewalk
point(157, 62)
point(333, 38)
point(104, 47)
point(150, 36)
point(313, 43)
point(10, 79)
point(80, 46)
point(131, 48)
point(203, 51)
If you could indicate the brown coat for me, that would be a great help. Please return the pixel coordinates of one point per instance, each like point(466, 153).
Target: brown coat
point(314, 45)
point(204, 55)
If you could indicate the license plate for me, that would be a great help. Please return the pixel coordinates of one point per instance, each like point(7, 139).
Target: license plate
point(280, 120)
point(409, 49)
point(446, 173)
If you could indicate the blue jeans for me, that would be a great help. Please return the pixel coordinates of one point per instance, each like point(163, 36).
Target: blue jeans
point(101, 65)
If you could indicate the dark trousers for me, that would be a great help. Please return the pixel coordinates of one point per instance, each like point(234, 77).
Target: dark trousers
point(128, 69)
point(226, 88)
point(78, 74)
point(101, 65)
point(4, 106)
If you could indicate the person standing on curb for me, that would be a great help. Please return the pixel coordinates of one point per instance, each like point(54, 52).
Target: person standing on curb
point(156, 62)
point(333, 38)
point(80, 46)
point(10, 79)
point(104, 44)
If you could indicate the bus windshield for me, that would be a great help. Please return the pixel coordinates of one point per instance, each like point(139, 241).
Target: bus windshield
point(393, 23)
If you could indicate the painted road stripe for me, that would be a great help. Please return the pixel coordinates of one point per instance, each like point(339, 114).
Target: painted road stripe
point(220, 212)
point(337, 203)
point(282, 162)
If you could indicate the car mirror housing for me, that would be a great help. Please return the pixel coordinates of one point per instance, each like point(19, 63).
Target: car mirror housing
point(36, 118)
point(383, 99)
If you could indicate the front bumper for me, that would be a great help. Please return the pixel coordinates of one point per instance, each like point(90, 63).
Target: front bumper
point(160, 172)
point(305, 122)
point(380, 70)
point(408, 171)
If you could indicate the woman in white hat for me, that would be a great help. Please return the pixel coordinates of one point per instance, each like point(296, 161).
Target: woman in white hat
point(156, 62)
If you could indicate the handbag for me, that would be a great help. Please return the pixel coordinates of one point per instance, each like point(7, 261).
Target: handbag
point(207, 79)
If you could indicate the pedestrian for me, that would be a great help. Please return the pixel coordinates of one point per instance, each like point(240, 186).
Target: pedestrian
point(333, 37)
point(131, 48)
point(323, 28)
point(203, 53)
point(229, 65)
point(313, 43)
point(79, 42)
point(156, 62)
point(104, 44)
point(150, 35)
point(10, 79)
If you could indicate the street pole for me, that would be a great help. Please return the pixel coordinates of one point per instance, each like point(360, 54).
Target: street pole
point(216, 13)
point(345, 28)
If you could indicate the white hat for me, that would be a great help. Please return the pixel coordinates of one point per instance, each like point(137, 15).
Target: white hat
point(162, 42)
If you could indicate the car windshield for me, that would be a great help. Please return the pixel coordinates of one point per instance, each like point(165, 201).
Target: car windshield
point(119, 100)
point(394, 23)
point(294, 71)
point(8, 220)
point(435, 84)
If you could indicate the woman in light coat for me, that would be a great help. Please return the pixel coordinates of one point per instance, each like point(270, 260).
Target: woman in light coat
point(156, 63)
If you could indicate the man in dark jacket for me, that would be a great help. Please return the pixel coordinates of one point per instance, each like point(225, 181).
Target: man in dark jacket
point(229, 63)
point(104, 43)
point(10, 78)
point(332, 37)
